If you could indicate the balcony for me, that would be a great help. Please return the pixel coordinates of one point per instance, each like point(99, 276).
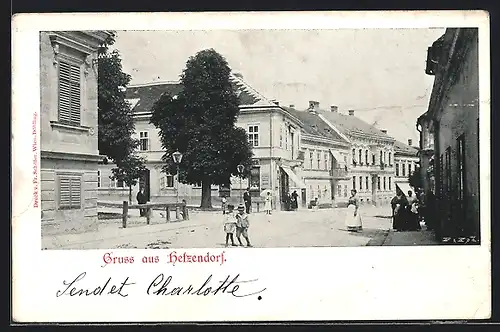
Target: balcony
point(339, 173)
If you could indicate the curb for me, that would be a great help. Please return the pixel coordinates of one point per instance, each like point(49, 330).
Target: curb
point(379, 239)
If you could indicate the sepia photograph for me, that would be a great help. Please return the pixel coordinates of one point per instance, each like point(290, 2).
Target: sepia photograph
point(259, 138)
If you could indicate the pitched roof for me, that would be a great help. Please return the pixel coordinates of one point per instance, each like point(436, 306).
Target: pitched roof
point(350, 124)
point(314, 125)
point(402, 148)
point(143, 96)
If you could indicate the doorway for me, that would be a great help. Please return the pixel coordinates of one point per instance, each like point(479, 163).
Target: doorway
point(284, 187)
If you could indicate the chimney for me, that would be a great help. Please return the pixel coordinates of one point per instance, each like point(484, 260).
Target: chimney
point(410, 141)
point(274, 101)
point(334, 108)
point(384, 131)
point(292, 106)
point(313, 105)
point(237, 74)
point(351, 112)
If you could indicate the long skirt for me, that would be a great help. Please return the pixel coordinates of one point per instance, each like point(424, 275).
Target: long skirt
point(353, 223)
point(267, 206)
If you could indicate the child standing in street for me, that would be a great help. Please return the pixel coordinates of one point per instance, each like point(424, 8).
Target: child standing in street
point(242, 225)
point(230, 225)
point(224, 201)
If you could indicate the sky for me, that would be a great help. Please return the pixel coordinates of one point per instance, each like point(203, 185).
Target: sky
point(380, 73)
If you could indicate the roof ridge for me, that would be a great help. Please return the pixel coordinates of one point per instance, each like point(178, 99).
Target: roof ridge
point(153, 84)
point(252, 91)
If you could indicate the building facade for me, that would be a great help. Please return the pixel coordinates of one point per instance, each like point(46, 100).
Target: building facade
point(406, 162)
point(453, 115)
point(68, 129)
point(370, 161)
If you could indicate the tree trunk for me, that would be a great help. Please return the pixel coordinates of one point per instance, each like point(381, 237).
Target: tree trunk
point(206, 194)
point(130, 195)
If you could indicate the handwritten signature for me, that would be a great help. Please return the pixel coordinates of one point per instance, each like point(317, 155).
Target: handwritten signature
point(160, 285)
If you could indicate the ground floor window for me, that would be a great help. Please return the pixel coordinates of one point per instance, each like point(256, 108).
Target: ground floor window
point(167, 181)
point(70, 192)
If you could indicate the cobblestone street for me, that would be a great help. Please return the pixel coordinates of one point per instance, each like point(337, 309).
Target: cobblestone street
point(303, 228)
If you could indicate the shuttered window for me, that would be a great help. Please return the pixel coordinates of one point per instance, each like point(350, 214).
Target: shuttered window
point(70, 192)
point(69, 93)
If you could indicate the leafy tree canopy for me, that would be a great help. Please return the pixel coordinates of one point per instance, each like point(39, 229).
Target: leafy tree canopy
point(200, 123)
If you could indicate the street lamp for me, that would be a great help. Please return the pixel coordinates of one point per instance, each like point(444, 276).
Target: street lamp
point(240, 169)
point(177, 156)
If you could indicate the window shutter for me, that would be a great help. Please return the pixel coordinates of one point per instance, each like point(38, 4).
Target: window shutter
point(70, 192)
point(69, 93)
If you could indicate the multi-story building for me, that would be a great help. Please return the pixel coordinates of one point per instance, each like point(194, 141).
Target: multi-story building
point(406, 162)
point(324, 155)
point(370, 162)
point(68, 129)
point(452, 120)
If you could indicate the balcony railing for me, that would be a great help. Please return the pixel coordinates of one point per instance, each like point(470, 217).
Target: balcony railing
point(339, 172)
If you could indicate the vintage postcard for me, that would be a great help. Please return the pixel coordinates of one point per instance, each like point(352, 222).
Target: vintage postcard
point(285, 166)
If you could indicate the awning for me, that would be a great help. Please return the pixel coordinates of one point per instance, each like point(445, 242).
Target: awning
point(294, 177)
point(338, 157)
point(404, 187)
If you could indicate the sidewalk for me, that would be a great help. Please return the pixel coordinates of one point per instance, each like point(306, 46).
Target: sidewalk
point(413, 238)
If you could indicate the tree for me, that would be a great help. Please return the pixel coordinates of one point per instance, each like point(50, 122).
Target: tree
point(129, 170)
point(115, 116)
point(414, 179)
point(200, 123)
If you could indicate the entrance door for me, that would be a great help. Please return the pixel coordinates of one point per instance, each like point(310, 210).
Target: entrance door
point(145, 182)
point(284, 186)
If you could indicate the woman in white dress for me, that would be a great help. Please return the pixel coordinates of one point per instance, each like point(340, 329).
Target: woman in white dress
point(353, 219)
point(267, 205)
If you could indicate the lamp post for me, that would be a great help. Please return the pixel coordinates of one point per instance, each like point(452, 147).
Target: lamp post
point(240, 169)
point(177, 156)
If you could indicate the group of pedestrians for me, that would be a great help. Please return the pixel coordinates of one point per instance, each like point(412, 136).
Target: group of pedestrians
point(409, 211)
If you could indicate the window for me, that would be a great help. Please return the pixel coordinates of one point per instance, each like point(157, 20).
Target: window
point(339, 190)
point(441, 174)
point(390, 162)
point(69, 93)
point(345, 190)
point(311, 159)
point(281, 136)
point(286, 139)
point(353, 182)
point(360, 156)
point(326, 160)
point(385, 188)
point(461, 168)
point(366, 157)
point(403, 169)
point(384, 157)
point(255, 178)
point(360, 183)
point(144, 141)
point(367, 183)
point(318, 156)
point(381, 156)
point(98, 179)
point(253, 135)
point(447, 165)
point(119, 184)
point(397, 169)
point(167, 181)
point(116, 183)
point(409, 169)
point(70, 192)
point(390, 183)
point(373, 159)
point(378, 183)
point(353, 156)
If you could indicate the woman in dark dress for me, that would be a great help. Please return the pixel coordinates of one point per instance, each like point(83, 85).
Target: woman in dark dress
point(295, 203)
point(399, 205)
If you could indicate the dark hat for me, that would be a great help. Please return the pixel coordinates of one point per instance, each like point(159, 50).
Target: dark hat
point(241, 207)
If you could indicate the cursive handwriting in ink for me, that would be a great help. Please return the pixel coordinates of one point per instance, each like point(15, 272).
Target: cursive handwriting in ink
point(112, 289)
point(161, 286)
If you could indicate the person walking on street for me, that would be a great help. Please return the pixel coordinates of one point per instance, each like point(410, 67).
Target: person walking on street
point(268, 203)
point(242, 225)
point(230, 225)
point(142, 199)
point(247, 198)
point(353, 219)
point(412, 212)
point(224, 202)
point(295, 202)
point(398, 205)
